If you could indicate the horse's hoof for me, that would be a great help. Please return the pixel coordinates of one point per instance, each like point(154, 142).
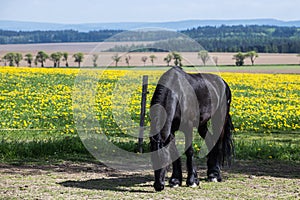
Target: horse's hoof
point(159, 187)
point(213, 180)
point(193, 185)
point(174, 182)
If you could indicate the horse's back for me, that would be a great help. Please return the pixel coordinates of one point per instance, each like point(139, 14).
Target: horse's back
point(212, 82)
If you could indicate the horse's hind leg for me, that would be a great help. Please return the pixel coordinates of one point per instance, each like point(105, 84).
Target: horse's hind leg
point(192, 179)
point(214, 164)
point(176, 178)
point(214, 156)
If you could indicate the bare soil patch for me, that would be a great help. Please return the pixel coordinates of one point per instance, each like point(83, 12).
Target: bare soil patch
point(71, 180)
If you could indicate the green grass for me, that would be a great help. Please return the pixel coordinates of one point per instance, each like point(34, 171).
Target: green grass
point(26, 146)
point(276, 146)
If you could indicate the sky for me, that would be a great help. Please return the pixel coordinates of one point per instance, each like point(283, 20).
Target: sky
point(92, 11)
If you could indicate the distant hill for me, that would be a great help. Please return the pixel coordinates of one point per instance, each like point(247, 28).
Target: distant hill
point(176, 25)
point(261, 38)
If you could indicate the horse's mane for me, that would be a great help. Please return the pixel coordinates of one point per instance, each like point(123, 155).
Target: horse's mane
point(161, 90)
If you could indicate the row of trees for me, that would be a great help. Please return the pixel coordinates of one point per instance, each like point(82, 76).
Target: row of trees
point(168, 59)
point(41, 57)
point(203, 55)
point(12, 59)
point(239, 57)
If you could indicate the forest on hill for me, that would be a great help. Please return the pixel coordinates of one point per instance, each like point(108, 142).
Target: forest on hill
point(262, 39)
point(30, 37)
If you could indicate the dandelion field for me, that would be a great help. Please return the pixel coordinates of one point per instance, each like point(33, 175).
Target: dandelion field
point(36, 111)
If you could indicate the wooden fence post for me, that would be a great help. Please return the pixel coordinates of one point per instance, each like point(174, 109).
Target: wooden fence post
point(143, 112)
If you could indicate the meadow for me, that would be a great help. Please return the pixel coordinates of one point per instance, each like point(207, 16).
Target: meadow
point(37, 115)
point(42, 156)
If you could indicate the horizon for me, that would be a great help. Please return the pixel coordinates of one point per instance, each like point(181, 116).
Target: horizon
point(77, 12)
point(166, 21)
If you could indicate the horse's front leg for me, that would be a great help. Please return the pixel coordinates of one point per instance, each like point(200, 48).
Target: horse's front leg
point(159, 158)
point(159, 183)
point(192, 179)
point(176, 178)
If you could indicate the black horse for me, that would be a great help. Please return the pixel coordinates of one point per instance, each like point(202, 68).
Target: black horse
point(182, 101)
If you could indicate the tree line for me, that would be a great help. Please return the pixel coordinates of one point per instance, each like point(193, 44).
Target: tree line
point(262, 39)
point(27, 37)
point(172, 56)
point(14, 59)
point(203, 55)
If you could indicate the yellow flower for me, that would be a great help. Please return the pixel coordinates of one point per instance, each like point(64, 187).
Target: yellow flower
point(42, 99)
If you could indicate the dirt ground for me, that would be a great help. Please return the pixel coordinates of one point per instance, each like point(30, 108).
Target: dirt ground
point(71, 180)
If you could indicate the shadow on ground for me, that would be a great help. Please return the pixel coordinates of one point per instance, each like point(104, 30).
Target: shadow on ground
point(113, 183)
point(271, 168)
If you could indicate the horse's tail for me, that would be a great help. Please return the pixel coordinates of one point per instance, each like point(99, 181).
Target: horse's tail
point(228, 147)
